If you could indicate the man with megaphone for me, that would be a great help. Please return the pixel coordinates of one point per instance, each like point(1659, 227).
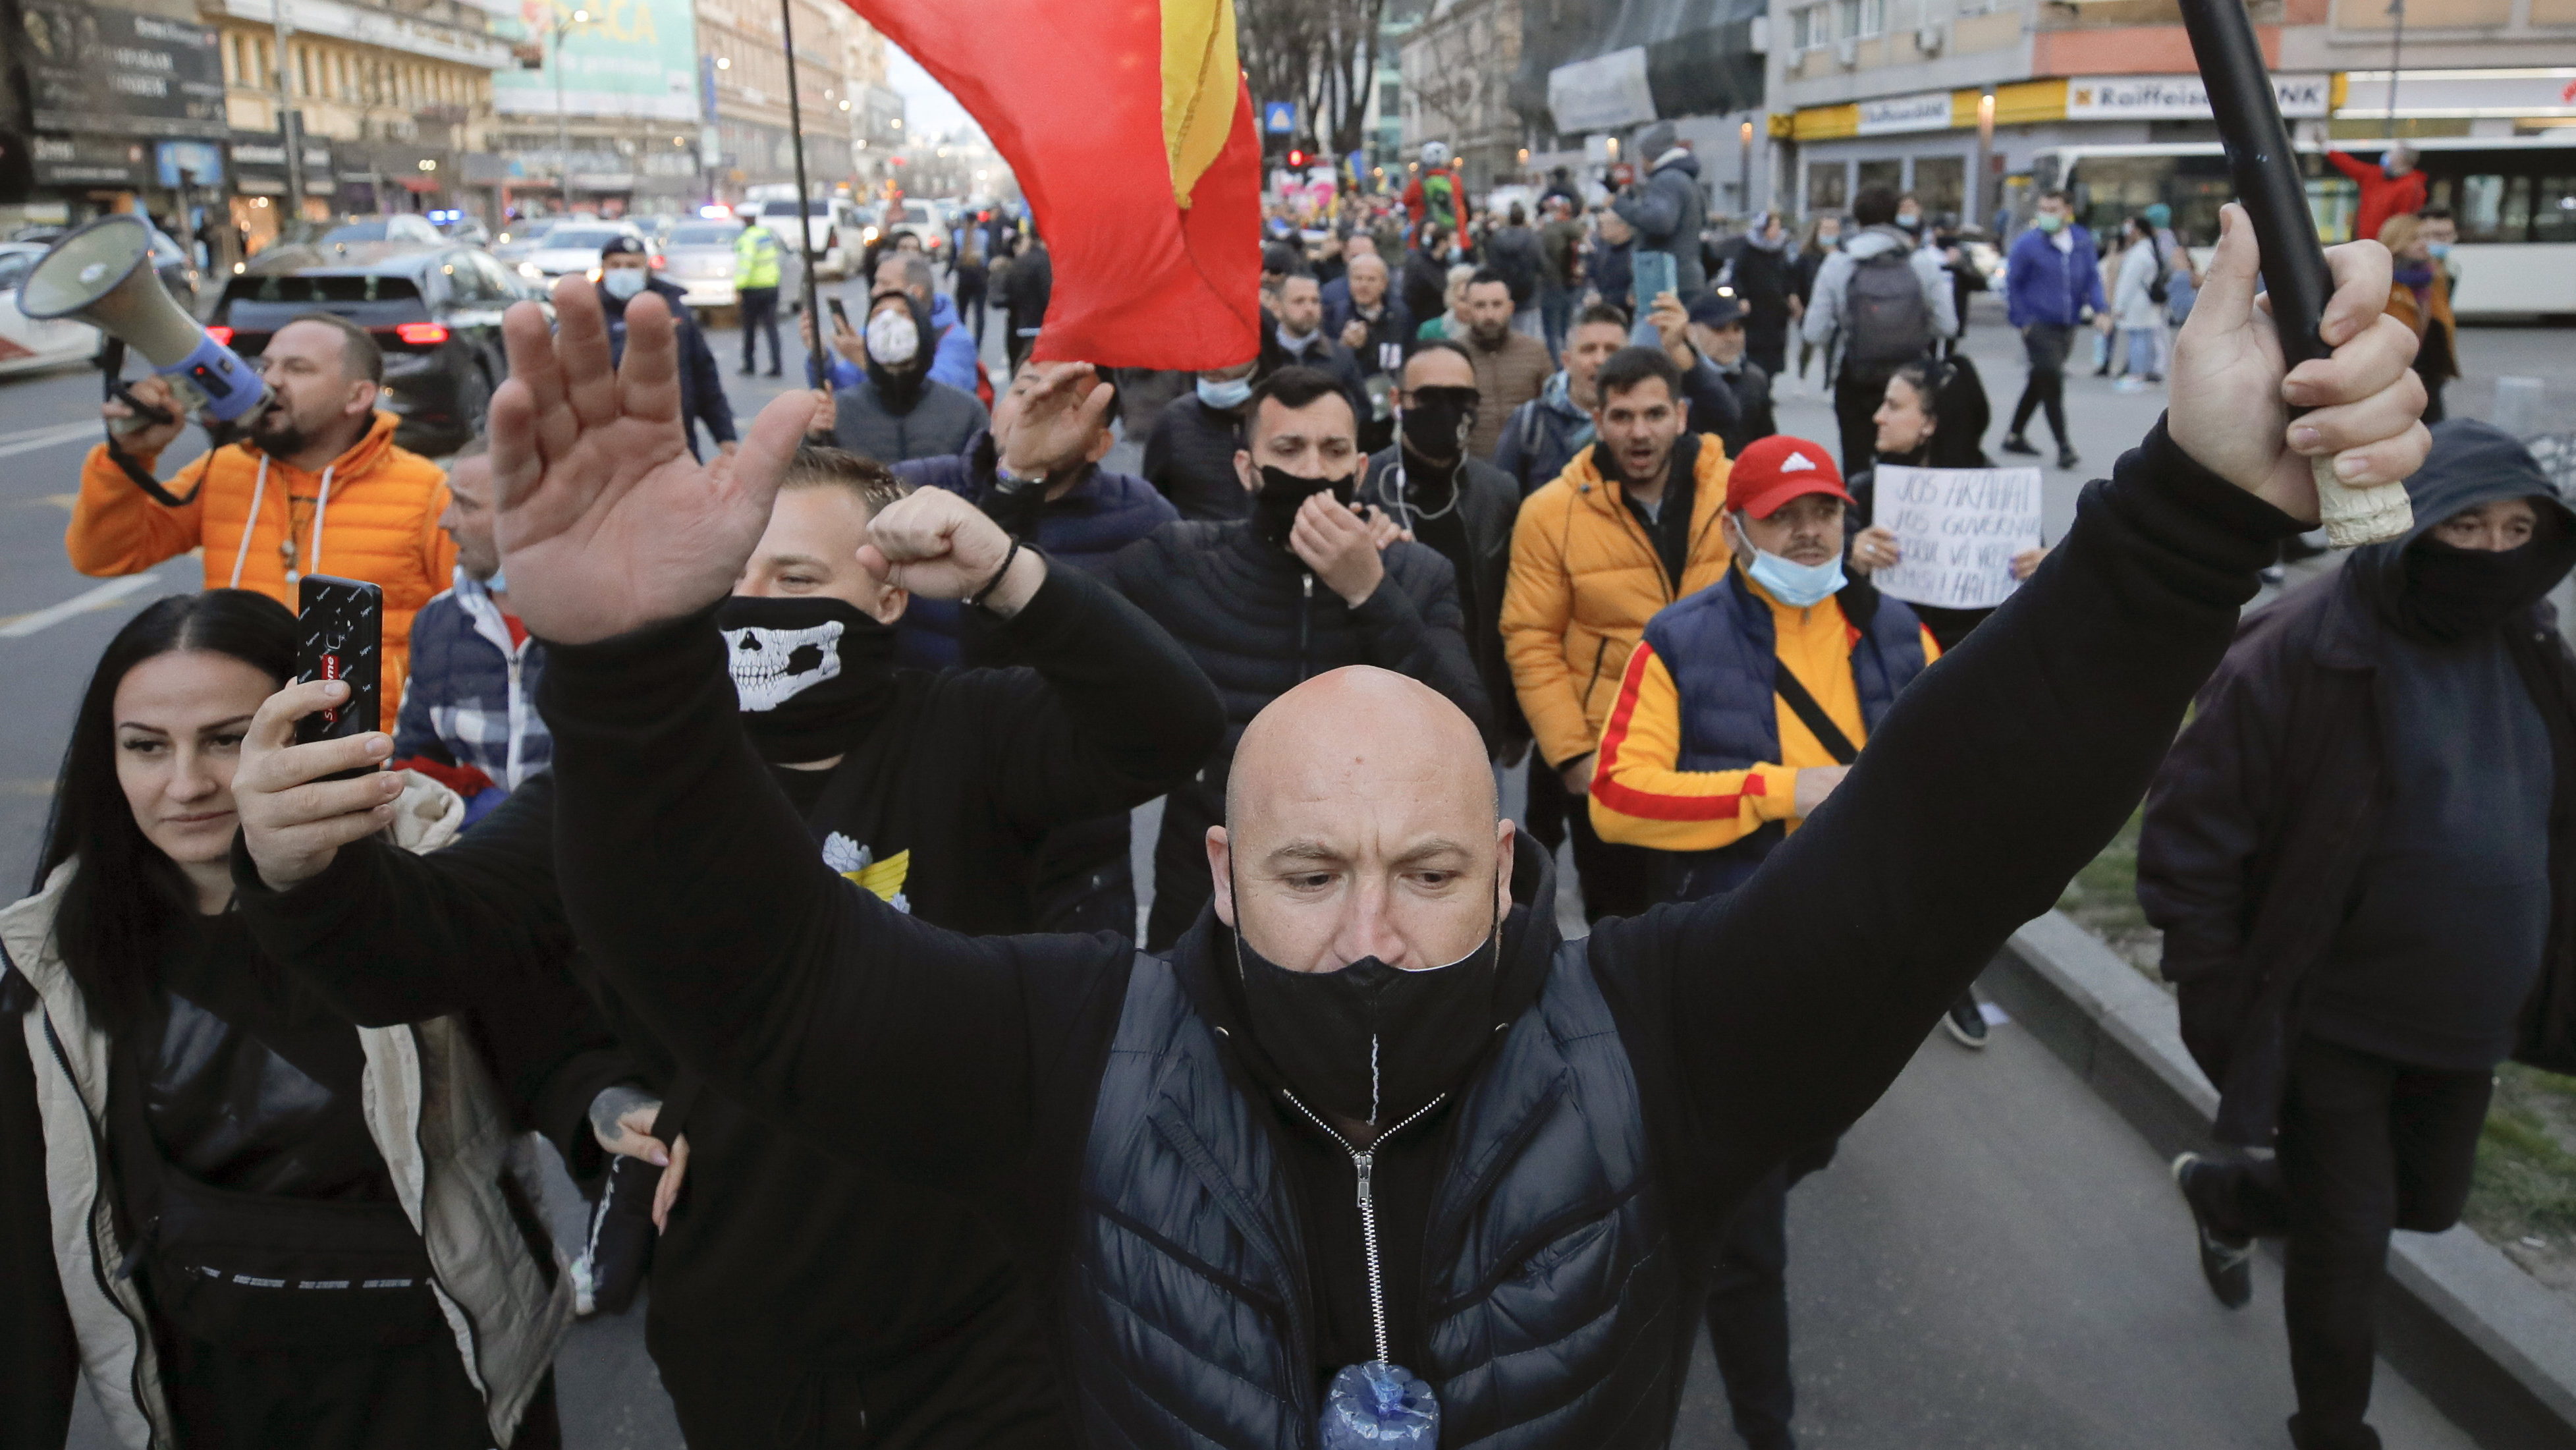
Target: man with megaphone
point(313, 484)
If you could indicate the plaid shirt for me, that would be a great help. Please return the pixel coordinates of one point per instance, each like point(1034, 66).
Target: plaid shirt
point(472, 697)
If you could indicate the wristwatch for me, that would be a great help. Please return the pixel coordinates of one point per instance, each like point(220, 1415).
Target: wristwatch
point(1009, 482)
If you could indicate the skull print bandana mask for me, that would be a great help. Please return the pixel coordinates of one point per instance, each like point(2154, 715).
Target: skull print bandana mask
point(808, 672)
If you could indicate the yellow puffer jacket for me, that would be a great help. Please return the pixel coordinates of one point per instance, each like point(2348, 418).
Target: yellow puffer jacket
point(380, 524)
point(1584, 582)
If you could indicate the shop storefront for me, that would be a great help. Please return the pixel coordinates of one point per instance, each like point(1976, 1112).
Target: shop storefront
point(260, 189)
point(1958, 150)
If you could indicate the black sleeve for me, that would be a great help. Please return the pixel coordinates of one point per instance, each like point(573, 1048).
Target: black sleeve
point(475, 930)
point(1155, 468)
point(1713, 405)
point(39, 1357)
point(1787, 1007)
point(1426, 637)
point(2207, 818)
point(1117, 712)
point(697, 893)
point(707, 387)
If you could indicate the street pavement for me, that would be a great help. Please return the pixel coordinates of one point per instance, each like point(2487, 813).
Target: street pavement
point(1994, 1259)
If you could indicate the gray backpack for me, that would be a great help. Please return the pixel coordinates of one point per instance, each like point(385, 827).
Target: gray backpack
point(1886, 322)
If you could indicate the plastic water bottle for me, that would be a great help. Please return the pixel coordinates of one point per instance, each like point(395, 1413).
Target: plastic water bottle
point(1376, 1406)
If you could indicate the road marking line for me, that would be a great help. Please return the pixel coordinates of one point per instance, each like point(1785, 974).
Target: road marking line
point(54, 437)
point(81, 603)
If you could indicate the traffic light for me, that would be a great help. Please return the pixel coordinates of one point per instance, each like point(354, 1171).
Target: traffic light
point(1296, 158)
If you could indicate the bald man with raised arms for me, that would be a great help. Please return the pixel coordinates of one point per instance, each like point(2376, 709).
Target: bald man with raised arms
point(1371, 1111)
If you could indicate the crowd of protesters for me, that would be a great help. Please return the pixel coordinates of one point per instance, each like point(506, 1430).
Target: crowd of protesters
point(785, 887)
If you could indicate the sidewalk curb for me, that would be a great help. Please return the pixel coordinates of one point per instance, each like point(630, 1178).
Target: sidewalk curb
point(2491, 1348)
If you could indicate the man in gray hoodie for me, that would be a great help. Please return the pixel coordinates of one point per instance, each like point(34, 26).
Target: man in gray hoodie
point(1868, 320)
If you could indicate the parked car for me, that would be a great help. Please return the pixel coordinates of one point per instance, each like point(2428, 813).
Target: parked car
point(573, 247)
point(917, 219)
point(513, 244)
point(825, 223)
point(26, 344)
point(698, 258)
point(436, 312)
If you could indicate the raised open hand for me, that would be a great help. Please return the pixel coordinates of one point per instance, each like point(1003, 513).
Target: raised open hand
point(605, 522)
point(2231, 399)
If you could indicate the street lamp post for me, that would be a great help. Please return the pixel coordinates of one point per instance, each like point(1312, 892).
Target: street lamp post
point(563, 126)
point(286, 115)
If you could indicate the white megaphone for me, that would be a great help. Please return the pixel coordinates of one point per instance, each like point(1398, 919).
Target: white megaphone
point(101, 274)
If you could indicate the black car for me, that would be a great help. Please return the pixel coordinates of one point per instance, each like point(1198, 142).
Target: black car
point(436, 311)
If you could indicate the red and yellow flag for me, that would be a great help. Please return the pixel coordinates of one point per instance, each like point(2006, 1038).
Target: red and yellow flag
point(1131, 132)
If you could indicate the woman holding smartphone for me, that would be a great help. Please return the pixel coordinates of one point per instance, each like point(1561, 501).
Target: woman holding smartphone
point(210, 1187)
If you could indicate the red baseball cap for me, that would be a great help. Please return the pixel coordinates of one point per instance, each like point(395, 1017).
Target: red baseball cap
point(1772, 471)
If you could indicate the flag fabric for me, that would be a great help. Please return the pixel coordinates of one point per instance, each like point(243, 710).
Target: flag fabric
point(1131, 131)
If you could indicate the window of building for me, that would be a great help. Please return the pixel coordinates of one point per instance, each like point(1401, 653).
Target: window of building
point(1827, 186)
point(1941, 184)
point(1889, 173)
point(1811, 27)
point(303, 71)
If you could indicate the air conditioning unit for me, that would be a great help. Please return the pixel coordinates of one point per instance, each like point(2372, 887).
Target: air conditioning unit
point(1847, 54)
point(1929, 39)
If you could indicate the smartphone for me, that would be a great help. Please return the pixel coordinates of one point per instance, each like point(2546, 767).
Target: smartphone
point(840, 314)
point(340, 624)
point(1655, 274)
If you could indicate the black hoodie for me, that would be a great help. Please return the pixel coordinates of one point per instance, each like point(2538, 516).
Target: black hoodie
point(2450, 912)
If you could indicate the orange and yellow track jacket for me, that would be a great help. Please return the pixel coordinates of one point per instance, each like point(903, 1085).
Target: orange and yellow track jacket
point(1700, 755)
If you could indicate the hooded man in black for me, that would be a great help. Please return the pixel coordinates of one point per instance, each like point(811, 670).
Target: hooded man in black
point(2356, 853)
point(794, 1293)
point(897, 412)
point(1372, 1143)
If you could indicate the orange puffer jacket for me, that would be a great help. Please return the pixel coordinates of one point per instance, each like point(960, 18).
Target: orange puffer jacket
point(379, 524)
point(1584, 582)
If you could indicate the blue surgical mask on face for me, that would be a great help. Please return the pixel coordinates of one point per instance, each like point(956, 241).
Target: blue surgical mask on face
point(2438, 249)
point(1800, 586)
point(622, 283)
point(498, 583)
point(1225, 396)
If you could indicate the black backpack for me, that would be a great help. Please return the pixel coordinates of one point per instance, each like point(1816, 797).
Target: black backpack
point(1886, 322)
point(2162, 287)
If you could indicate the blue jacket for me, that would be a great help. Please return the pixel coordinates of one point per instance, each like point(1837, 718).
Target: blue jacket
point(472, 695)
point(1543, 435)
point(2043, 284)
point(952, 362)
point(1094, 519)
point(1724, 660)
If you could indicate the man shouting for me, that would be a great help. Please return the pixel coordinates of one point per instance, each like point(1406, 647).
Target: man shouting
point(1370, 1111)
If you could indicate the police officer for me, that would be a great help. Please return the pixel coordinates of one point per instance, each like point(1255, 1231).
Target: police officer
point(755, 274)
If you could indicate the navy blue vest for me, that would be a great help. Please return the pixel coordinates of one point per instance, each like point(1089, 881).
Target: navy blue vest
point(1558, 1312)
point(1723, 655)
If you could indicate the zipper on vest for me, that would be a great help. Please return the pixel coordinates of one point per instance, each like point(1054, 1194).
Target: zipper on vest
point(1364, 1163)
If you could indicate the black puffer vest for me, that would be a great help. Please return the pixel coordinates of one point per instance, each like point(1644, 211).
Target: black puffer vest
point(1557, 1300)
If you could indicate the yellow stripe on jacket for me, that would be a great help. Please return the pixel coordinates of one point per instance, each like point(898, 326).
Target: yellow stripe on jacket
point(1641, 796)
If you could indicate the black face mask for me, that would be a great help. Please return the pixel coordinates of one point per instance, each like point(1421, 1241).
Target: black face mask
point(1274, 509)
point(1437, 422)
point(2452, 594)
point(807, 673)
point(1370, 1043)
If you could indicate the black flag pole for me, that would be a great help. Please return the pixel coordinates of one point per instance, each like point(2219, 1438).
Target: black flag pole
point(813, 300)
point(2275, 197)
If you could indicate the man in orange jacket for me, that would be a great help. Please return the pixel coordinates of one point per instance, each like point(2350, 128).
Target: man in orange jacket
point(315, 486)
point(1629, 527)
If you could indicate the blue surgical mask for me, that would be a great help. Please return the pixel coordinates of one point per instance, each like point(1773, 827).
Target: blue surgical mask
point(622, 283)
point(498, 583)
point(1225, 396)
point(1800, 586)
point(2438, 249)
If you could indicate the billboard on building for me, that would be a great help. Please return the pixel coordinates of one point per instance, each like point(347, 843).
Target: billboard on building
point(91, 68)
point(628, 58)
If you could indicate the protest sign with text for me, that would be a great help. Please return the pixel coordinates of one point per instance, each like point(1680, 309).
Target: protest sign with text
point(1957, 530)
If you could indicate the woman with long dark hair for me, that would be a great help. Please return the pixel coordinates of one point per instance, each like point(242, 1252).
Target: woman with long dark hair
point(211, 1187)
point(1934, 415)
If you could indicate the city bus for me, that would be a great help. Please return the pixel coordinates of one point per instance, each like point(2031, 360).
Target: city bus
point(2514, 196)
